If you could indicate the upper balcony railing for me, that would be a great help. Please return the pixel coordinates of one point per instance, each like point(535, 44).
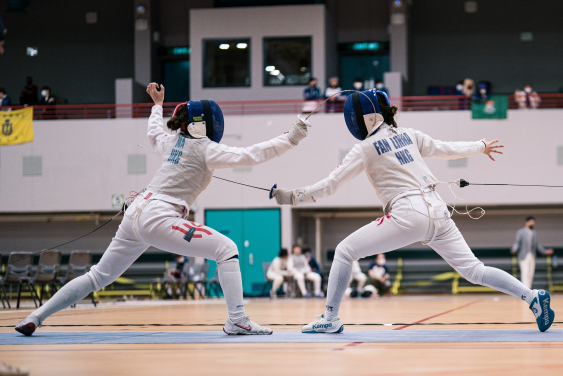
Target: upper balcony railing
point(143, 110)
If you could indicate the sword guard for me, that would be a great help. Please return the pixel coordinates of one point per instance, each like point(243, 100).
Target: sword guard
point(463, 183)
point(275, 186)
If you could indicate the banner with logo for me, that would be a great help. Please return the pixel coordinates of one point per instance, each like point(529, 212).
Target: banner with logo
point(495, 108)
point(16, 126)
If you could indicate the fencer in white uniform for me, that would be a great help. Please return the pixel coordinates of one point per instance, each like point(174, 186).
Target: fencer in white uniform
point(157, 216)
point(392, 158)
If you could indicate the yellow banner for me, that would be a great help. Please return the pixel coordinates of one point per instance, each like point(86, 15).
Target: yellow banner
point(17, 126)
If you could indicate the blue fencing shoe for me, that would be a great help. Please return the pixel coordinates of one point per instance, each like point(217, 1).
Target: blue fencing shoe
point(540, 306)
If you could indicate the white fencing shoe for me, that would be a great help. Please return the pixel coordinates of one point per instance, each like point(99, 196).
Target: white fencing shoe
point(245, 327)
point(540, 306)
point(28, 325)
point(322, 325)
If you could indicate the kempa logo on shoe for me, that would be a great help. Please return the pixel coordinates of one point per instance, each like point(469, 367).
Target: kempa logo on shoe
point(324, 326)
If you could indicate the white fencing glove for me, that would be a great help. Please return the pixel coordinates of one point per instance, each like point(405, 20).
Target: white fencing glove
point(283, 196)
point(299, 130)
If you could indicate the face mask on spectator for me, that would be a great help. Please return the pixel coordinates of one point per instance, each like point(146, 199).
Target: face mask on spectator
point(380, 262)
point(379, 86)
point(357, 85)
point(44, 93)
point(528, 89)
point(459, 87)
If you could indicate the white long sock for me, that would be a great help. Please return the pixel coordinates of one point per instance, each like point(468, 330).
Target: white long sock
point(231, 283)
point(504, 282)
point(338, 280)
point(72, 292)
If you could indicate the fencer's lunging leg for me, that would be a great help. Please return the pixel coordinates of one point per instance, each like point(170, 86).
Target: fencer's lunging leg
point(504, 282)
point(231, 283)
point(72, 292)
point(338, 279)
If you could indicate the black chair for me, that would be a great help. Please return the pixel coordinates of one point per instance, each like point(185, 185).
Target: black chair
point(200, 280)
point(79, 264)
point(18, 271)
point(3, 295)
point(47, 272)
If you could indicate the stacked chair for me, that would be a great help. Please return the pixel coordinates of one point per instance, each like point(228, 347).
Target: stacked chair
point(18, 271)
point(79, 264)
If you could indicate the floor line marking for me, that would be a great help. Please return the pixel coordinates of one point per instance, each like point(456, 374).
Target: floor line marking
point(439, 314)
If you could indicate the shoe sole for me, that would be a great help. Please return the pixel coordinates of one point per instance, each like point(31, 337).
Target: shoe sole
point(27, 329)
point(340, 330)
point(551, 313)
point(247, 334)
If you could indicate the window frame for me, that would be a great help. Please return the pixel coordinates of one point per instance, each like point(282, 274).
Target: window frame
point(246, 40)
point(281, 38)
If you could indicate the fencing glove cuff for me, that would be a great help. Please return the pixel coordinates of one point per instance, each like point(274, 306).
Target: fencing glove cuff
point(298, 131)
point(283, 196)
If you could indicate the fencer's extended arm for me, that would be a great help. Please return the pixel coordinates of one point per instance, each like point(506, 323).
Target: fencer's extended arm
point(223, 156)
point(350, 167)
point(157, 135)
point(429, 147)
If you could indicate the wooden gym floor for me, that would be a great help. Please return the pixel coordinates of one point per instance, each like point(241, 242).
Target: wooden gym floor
point(435, 313)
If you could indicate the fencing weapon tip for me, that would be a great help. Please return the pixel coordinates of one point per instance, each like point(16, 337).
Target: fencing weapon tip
point(275, 186)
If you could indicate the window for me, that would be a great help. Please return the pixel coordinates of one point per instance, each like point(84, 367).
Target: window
point(287, 61)
point(226, 63)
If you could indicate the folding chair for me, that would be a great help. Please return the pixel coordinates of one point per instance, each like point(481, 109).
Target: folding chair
point(18, 270)
point(200, 280)
point(79, 264)
point(47, 272)
point(2, 290)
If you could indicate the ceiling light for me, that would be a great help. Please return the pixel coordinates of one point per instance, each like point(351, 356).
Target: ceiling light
point(224, 46)
point(242, 46)
point(270, 68)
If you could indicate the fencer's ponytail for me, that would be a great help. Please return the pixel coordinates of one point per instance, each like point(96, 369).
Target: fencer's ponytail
point(387, 111)
point(175, 122)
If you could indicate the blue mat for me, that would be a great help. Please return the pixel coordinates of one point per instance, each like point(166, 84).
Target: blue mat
point(375, 336)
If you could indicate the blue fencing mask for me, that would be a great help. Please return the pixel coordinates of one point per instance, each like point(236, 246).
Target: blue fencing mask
point(362, 113)
point(205, 119)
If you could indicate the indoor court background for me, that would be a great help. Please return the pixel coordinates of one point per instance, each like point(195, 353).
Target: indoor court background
point(90, 150)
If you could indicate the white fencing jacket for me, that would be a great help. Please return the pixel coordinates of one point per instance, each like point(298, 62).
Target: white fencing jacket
point(188, 164)
point(393, 161)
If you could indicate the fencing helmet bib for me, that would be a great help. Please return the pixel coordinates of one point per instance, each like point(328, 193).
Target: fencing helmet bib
point(205, 119)
point(362, 113)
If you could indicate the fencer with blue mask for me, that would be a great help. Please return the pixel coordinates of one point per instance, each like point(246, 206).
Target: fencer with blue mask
point(158, 215)
point(393, 159)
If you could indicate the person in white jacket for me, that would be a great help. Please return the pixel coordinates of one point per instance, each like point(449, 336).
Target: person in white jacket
point(358, 276)
point(157, 216)
point(302, 271)
point(281, 267)
point(392, 158)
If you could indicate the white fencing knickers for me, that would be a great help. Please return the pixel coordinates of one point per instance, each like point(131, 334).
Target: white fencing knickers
point(159, 224)
point(408, 222)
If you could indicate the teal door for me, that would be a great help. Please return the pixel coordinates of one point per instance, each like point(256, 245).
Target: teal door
point(257, 234)
point(177, 80)
point(366, 67)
